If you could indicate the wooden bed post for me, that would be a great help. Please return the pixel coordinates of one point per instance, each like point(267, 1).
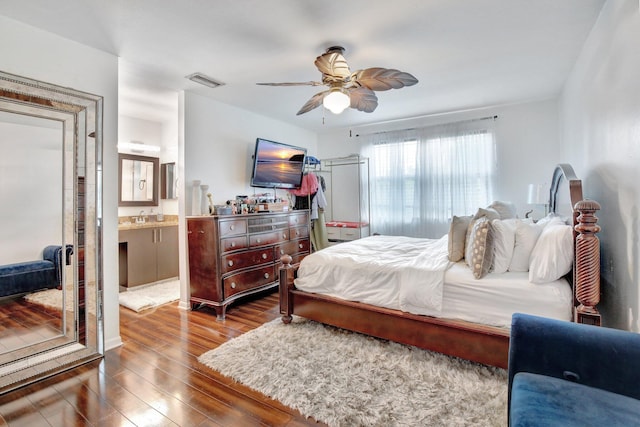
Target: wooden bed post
point(287, 275)
point(587, 275)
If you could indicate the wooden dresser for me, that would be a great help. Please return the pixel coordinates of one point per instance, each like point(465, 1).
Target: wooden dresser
point(232, 256)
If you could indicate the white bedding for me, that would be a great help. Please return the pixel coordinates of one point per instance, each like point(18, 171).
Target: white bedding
point(414, 275)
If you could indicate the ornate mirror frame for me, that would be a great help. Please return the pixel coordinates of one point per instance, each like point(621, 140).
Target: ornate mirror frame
point(81, 334)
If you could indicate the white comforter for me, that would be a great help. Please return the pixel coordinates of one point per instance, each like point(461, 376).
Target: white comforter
point(386, 271)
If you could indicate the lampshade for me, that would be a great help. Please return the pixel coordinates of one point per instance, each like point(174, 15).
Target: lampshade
point(336, 100)
point(538, 194)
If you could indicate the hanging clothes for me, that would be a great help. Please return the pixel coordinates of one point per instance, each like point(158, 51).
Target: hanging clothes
point(308, 186)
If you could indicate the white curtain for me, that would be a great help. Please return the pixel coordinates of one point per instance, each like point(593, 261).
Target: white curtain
point(420, 178)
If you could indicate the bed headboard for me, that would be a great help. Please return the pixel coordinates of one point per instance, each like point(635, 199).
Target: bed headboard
point(565, 192)
point(566, 199)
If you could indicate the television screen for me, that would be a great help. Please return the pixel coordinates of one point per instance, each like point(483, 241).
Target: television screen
point(277, 165)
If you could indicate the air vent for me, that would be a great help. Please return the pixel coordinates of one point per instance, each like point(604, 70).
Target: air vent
point(204, 80)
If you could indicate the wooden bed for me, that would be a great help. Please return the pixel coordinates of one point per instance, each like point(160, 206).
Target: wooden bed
point(476, 342)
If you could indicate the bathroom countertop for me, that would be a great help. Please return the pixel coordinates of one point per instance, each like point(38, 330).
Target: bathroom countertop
point(148, 224)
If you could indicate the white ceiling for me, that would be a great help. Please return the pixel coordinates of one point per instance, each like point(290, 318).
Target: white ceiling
point(465, 53)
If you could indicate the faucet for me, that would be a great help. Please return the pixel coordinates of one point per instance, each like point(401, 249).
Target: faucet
point(140, 218)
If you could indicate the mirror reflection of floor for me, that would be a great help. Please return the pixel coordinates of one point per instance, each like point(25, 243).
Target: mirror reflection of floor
point(23, 323)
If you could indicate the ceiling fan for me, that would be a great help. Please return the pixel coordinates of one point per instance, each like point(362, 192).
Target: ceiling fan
point(346, 88)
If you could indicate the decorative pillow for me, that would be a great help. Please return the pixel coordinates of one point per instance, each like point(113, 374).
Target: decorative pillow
point(457, 237)
point(506, 210)
point(525, 240)
point(488, 213)
point(481, 248)
point(552, 257)
point(504, 238)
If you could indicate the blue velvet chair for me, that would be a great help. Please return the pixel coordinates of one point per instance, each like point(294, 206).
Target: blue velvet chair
point(570, 374)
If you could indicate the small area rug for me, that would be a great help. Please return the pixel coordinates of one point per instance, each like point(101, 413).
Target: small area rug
point(52, 298)
point(347, 379)
point(148, 296)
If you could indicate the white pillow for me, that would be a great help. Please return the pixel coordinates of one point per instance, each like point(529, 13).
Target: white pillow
point(551, 219)
point(552, 257)
point(525, 240)
point(504, 238)
point(506, 210)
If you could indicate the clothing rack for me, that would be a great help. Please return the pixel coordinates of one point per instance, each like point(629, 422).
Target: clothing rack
point(346, 177)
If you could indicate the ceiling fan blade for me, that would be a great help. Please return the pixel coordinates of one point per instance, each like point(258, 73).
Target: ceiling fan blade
point(363, 99)
point(382, 78)
point(292, 84)
point(333, 64)
point(314, 102)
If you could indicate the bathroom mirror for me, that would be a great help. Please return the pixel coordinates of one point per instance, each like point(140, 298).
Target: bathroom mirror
point(51, 169)
point(168, 181)
point(138, 180)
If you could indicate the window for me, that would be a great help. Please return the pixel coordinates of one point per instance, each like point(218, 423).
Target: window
point(421, 178)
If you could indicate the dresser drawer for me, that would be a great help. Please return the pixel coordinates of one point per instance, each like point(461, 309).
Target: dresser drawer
point(296, 219)
point(333, 233)
point(262, 239)
point(237, 261)
point(291, 248)
point(299, 232)
point(233, 227)
point(233, 243)
point(248, 280)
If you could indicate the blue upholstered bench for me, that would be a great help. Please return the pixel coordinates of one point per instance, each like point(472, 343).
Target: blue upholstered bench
point(23, 277)
point(568, 374)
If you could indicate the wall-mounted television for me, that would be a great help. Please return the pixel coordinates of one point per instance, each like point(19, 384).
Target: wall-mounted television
point(277, 165)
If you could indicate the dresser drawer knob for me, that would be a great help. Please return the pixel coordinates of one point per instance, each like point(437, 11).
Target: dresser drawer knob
point(266, 275)
point(201, 231)
point(301, 246)
point(233, 285)
point(232, 227)
point(258, 240)
point(230, 263)
point(297, 233)
point(233, 244)
point(264, 256)
point(281, 251)
point(284, 236)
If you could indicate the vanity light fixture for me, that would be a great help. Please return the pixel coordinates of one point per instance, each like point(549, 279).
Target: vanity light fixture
point(138, 147)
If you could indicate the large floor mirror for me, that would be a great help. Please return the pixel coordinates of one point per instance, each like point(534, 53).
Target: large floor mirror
point(51, 254)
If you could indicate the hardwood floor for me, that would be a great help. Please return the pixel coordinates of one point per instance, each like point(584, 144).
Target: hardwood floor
point(154, 379)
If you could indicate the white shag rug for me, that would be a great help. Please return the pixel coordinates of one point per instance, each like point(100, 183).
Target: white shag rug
point(347, 379)
point(52, 298)
point(148, 296)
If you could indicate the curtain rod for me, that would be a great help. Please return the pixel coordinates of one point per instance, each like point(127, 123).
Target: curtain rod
point(494, 117)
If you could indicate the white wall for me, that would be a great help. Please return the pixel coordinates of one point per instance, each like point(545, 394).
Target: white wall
point(31, 194)
point(219, 143)
point(33, 53)
point(600, 116)
point(527, 138)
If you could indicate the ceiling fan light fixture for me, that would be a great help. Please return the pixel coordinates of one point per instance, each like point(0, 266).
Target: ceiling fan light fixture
point(337, 100)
